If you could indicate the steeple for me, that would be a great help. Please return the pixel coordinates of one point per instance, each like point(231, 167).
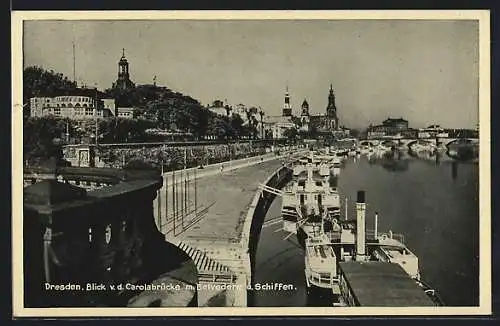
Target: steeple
point(305, 107)
point(287, 107)
point(123, 80)
point(331, 110)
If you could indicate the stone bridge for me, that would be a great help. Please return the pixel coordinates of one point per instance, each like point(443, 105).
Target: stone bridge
point(79, 242)
point(437, 141)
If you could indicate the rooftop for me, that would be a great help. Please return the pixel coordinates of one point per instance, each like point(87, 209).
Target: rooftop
point(395, 120)
point(380, 284)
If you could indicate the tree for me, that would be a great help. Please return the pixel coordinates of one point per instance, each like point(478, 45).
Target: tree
point(39, 135)
point(297, 121)
point(43, 83)
point(290, 134)
point(261, 113)
point(162, 107)
point(237, 125)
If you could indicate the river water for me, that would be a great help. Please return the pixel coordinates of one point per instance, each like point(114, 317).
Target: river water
point(433, 203)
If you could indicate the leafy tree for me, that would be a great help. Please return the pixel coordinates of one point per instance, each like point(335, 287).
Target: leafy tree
point(290, 134)
point(237, 125)
point(297, 121)
point(39, 135)
point(39, 82)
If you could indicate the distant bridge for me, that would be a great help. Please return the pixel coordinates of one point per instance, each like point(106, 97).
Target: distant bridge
point(434, 140)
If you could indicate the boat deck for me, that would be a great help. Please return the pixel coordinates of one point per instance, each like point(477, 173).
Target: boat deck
point(380, 284)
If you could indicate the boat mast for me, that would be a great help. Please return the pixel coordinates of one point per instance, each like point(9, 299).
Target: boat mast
point(345, 215)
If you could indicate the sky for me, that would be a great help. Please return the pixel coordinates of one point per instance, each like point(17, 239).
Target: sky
point(424, 71)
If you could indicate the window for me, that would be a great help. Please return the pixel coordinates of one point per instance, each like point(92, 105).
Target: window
point(57, 111)
point(89, 111)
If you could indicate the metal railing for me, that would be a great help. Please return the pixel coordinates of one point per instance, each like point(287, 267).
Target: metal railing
point(326, 279)
point(216, 277)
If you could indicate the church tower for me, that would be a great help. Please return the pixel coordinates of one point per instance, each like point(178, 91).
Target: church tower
point(123, 81)
point(305, 108)
point(304, 116)
point(287, 107)
point(331, 111)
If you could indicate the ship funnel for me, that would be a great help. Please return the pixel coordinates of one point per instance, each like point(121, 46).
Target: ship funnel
point(360, 226)
point(309, 172)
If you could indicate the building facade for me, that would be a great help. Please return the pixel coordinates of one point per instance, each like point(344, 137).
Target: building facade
point(38, 105)
point(109, 104)
point(75, 107)
point(126, 113)
point(396, 124)
point(391, 127)
point(326, 123)
point(432, 131)
point(220, 108)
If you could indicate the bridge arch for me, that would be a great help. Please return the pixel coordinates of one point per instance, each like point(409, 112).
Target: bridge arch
point(256, 213)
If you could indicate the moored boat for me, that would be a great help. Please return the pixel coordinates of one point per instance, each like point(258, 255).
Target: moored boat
point(351, 242)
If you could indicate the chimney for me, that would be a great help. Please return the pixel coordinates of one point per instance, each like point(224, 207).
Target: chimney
point(360, 226)
point(309, 172)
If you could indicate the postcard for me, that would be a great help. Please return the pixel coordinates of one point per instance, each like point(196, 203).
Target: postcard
point(251, 163)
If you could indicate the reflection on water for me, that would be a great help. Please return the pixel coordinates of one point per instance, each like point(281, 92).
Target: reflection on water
point(437, 211)
point(394, 161)
point(459, 150)
point(399, 161)
point(454, 170)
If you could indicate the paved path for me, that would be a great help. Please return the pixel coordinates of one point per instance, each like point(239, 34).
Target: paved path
point(206, 217)
point(222, 199)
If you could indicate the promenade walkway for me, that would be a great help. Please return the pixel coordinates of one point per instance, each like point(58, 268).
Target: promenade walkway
point(203, 211)
point(210, 204)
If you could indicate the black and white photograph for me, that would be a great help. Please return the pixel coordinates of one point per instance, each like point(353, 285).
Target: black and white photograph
point(251, 163)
